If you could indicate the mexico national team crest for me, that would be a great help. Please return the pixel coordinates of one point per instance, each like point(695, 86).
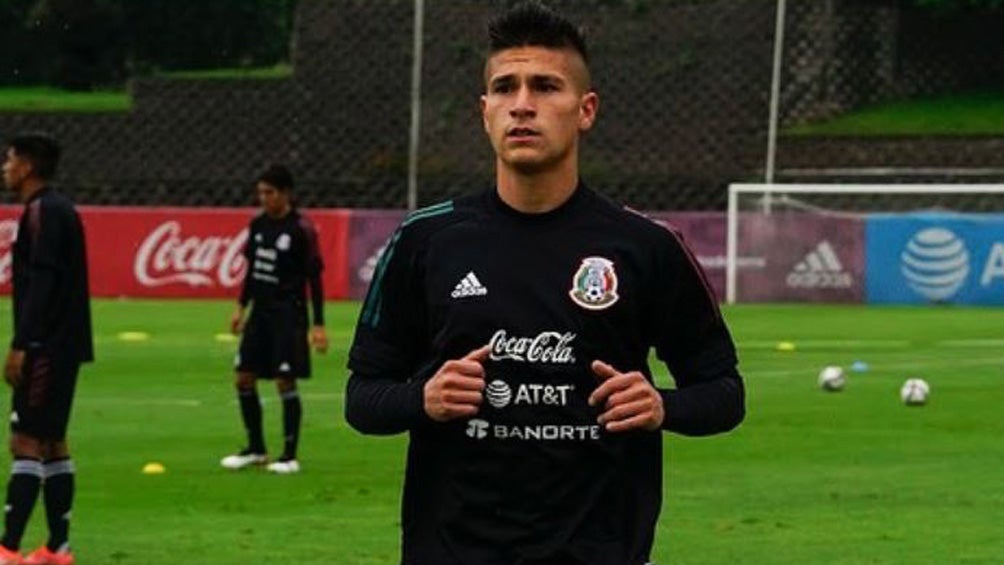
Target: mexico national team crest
point(594, 285)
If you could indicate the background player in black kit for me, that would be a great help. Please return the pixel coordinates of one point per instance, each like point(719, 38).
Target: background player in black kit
point(283, 259)
point(52, 337)
point(509, 331)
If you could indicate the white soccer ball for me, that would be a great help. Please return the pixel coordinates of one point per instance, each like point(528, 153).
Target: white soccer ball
point(832, 378)
point(594, 294)
point(914, 392)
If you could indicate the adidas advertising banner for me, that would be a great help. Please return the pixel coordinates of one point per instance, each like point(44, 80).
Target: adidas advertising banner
point(936, 258)
point(796, 257)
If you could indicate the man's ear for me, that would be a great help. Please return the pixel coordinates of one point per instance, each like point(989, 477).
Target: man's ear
point(589, 105)
point(482, 104)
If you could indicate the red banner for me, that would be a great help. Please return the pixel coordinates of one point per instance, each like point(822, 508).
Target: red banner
point(178, 252)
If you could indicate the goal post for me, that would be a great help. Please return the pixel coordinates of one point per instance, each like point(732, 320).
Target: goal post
point(891, 243)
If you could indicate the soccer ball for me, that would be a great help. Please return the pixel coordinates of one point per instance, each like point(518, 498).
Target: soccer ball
point(915, 392)
point(594, 293)
point(832, 378)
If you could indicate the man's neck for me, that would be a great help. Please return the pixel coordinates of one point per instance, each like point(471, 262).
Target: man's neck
point(536, 193)
point(29, 188)
point(281, 214)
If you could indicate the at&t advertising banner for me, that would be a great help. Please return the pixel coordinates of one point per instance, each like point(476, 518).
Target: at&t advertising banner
point(935, 258)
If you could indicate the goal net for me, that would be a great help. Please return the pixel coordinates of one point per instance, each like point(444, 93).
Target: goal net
point(892, 244)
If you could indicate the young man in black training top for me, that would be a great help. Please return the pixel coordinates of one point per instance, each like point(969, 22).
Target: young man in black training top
point(283, 259)
point(52, 338)
point(509, 331)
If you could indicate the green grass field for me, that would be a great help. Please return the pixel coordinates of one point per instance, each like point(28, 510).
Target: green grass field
point(810, 477)
point(39, 99)
point(277, 72)
point(49, 99)
point(970, 113)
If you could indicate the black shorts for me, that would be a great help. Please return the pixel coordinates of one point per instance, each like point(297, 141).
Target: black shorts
point(44, 396)
point(275, 344)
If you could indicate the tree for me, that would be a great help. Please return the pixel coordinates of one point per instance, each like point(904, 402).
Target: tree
point(960, 4)
point(88, 39)
point(85, 44)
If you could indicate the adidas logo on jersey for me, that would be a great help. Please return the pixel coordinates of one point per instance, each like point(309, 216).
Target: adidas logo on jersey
point(469, 286)
point(820, 268)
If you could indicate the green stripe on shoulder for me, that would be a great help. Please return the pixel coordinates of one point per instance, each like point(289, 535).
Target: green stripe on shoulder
point(428, 212)
point(374, 297)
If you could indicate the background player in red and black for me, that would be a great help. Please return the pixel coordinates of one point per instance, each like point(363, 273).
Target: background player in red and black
point(52, 337)
point(283, 260)
point(509, 333)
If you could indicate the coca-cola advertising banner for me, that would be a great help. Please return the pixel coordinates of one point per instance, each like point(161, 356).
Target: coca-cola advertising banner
point(178, 252)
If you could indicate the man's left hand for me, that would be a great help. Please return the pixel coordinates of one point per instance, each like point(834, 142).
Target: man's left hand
point(629, 400)
point(319, 339)
point(12, 368)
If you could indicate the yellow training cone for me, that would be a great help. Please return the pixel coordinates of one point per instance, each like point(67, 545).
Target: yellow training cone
point(134, 336)
point(154, 468)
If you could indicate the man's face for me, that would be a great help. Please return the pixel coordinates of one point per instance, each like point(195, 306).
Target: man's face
point(536, 104)
point(15, 170)
point(273, 201)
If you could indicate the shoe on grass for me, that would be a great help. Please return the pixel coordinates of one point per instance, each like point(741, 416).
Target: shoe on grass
point(243, 459)
point(45, 556)
point(284, 466)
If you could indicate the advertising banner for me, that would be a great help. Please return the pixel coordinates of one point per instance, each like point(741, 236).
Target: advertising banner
point(936, 258)
point(8, 234)
point(196, 252)
point(369, 231)
point(177, 252)
point(704, 233)
point(803, 258)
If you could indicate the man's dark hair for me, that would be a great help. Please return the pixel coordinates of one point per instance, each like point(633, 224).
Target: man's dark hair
point(277, 176)
point(531, 23)
point(40, 149)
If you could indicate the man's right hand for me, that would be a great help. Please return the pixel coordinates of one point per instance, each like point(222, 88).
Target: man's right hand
point(237, 320)
point(455, 390)
point(13, 367)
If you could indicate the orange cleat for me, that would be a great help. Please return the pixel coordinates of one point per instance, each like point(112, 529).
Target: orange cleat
point(10, 557)
point(45, 556)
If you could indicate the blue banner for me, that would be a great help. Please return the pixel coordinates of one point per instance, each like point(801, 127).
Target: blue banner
point(934, 258)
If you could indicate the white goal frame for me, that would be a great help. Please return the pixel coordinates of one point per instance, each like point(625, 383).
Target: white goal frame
point(770, 190)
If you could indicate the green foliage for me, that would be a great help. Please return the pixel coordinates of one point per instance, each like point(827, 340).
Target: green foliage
point(191, 34)
point(280, 71)
point(810, 477)
point(959, 4)
point(85, 44)
point(977, 113)
point(47, 99)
